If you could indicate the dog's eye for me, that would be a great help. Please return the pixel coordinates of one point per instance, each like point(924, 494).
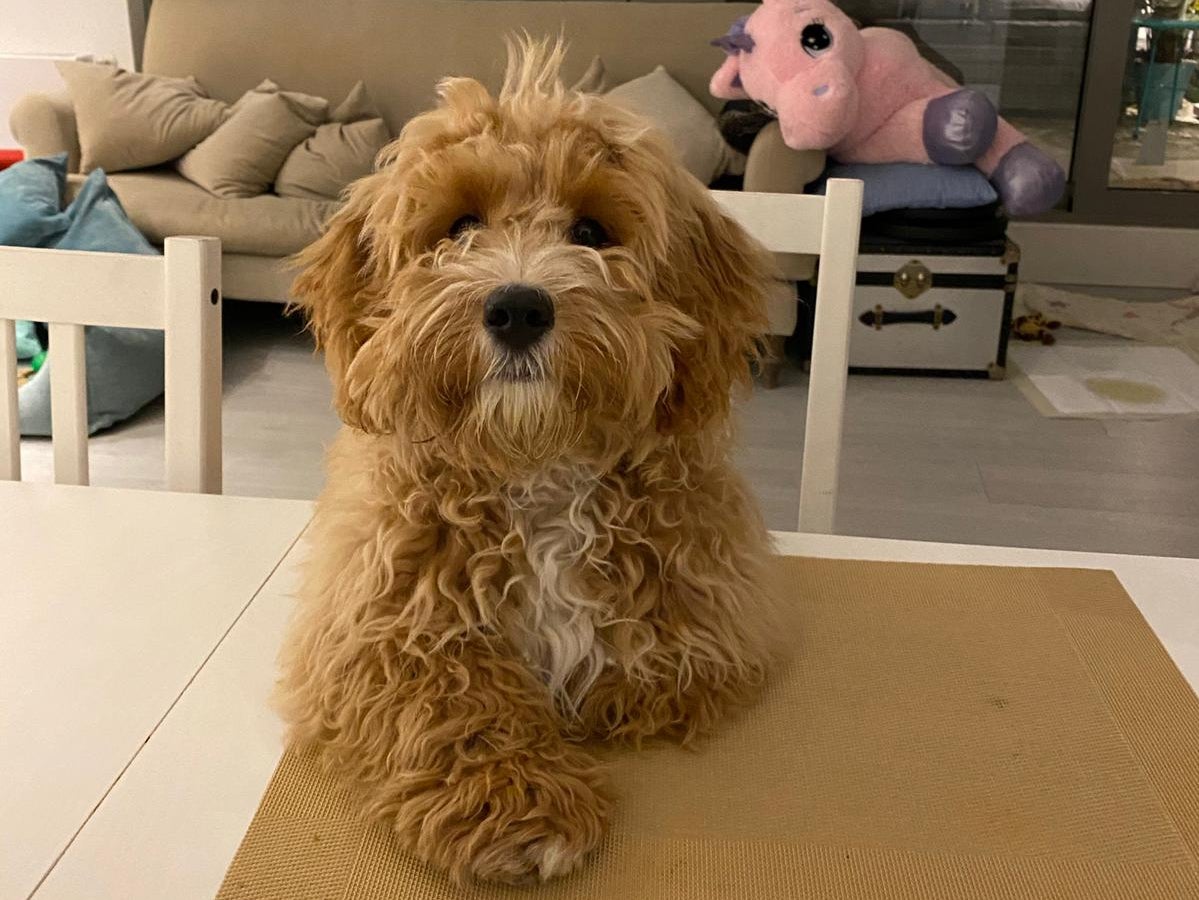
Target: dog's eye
point(815, 39)
point(589, 233)
point(463, 224)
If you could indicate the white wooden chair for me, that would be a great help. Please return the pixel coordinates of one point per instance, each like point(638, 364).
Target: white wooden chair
point(179, 293)
point(828, 226)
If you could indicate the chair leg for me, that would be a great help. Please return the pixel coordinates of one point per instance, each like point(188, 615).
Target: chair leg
point(193, 364)
point(772, 362)
point(830, 356)
point(10, 420)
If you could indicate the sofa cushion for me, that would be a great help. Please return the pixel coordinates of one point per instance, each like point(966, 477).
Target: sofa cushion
point(128, 120)
point(338, 153)
point(690, 128)
point(161, 204)
point(243, 156)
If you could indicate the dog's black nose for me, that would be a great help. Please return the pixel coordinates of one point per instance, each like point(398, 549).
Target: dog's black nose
point(517, 315)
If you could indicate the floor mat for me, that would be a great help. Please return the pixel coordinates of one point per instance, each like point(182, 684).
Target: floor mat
point(1174, 322)
point(1125, 380)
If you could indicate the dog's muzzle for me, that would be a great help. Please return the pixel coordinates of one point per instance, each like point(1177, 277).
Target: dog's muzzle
point(518, 315)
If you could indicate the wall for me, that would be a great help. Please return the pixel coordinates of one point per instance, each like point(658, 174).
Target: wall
point(67, 27)
point(32, 30)
point(1108, 255)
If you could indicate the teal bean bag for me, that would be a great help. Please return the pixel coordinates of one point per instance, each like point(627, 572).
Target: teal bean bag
point(124, 365)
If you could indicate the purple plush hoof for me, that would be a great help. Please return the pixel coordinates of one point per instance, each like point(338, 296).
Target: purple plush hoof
point(1029, 182)
point(959, 127)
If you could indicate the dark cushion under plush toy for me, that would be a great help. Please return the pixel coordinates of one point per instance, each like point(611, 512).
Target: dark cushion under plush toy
point(913, 186)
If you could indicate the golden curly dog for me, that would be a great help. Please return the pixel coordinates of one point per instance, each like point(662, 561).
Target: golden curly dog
point(531, 535)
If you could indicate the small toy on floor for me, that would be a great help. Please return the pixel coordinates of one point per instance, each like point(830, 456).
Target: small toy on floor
point(1035, 327)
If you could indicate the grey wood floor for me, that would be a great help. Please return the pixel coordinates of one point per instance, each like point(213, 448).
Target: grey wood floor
point(926, 459)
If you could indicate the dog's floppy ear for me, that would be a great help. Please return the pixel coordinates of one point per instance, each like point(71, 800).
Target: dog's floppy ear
point(336, 289)
point(720, 279)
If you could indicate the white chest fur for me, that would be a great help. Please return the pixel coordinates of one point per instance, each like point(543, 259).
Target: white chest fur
point(548, 616)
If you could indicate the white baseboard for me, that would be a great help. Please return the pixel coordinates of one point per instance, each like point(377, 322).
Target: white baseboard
point(1061, 253)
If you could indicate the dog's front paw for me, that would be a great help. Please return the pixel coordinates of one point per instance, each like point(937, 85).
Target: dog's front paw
point(511, 820)
point(630, 710)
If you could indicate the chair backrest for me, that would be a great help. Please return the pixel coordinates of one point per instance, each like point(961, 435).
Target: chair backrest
point(178, 292)
point(827, 226)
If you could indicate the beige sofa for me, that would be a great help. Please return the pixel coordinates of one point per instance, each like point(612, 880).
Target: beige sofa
point(400, 48)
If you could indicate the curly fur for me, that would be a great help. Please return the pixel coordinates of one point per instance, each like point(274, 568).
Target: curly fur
point(513, 557)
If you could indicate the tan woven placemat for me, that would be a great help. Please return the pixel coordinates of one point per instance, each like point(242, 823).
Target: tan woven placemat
point(941, 732)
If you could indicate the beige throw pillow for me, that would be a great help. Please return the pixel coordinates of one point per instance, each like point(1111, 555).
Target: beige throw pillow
point(128, 120)
point(594, 80)
point(243, 156)
point(357, 106)
point(678, 115)
point(338, 153)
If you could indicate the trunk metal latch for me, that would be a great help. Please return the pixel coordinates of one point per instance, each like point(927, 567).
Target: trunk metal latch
point(913, 279)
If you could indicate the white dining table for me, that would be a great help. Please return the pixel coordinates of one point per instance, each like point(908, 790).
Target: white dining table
point(138, 636)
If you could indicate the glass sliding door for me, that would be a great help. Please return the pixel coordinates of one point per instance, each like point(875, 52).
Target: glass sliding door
point(1157, 140)
point(1108, 88)
point(1137, 152)
point(1027, 56)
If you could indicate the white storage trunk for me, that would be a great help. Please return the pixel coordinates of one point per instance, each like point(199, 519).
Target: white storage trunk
point(930, 309)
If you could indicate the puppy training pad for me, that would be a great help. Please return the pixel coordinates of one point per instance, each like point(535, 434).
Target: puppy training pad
point(940, 732)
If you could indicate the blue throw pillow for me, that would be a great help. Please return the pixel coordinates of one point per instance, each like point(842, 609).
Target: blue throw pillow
point(31, 202)
point(915, 186)
point(124, 365)
point(31, 216)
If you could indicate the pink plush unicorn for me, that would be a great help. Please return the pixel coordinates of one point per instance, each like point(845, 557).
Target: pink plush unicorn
point(869, 97)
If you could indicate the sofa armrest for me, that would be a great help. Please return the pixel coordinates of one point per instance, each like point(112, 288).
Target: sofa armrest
point(773, 167)
point(44, 124)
